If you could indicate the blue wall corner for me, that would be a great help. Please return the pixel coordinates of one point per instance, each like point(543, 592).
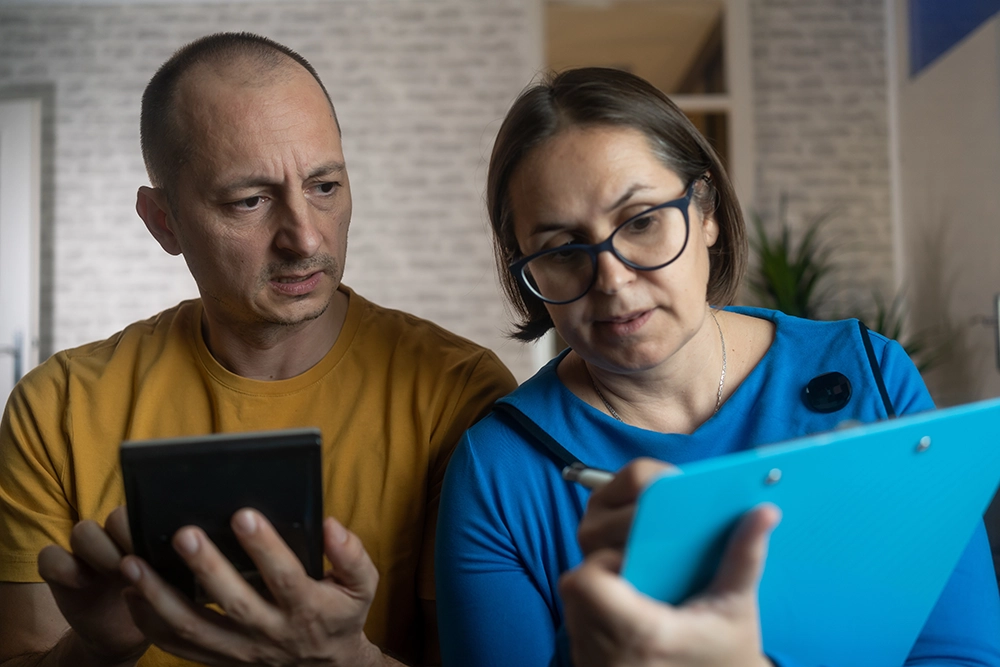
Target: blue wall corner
point(937, 25)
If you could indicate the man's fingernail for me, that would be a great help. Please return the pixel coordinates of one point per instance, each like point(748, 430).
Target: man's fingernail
point(339, 532)
point(187, 542)
point(245, 522)
point(131, 570)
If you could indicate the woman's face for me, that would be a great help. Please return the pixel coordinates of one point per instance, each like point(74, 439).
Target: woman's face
point(578, 187)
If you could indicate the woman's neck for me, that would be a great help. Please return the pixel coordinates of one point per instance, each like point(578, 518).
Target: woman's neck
point(676, 396)
point(681, 393)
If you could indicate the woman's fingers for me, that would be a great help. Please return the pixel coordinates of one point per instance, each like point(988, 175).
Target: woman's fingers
point(629, 483)
point(610, 510)
point(605, 529)
point(743, 561)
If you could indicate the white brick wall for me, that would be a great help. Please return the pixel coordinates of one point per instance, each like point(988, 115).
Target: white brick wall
point(820, 101)
point(419, 88)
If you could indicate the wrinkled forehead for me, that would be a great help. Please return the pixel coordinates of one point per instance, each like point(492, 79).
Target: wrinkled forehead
point(213, 86)
point(236, 111)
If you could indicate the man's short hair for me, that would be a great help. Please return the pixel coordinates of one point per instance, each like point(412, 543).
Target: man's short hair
point(165, 149)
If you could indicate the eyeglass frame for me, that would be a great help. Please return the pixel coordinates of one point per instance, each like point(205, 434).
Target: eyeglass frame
point(607, 245)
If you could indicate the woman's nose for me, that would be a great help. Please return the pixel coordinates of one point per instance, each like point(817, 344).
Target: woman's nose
point(612, 273)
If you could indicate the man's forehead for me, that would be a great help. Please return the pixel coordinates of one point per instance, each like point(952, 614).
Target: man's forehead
point(213, 100)
point(245, 132)
point(224, 82)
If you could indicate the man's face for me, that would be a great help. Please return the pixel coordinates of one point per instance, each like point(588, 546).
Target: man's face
point(262, 207)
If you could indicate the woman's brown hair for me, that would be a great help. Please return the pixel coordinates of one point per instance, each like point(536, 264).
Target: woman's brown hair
point(596, 96)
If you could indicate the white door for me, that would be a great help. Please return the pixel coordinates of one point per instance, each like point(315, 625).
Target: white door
point(20, 176)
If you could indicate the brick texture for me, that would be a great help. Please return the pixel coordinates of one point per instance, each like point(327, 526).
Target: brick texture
point(420, 88)
point(820, 101)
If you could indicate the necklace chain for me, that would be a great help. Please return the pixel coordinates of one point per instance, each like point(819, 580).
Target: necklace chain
point(614, 413)
point(722, 377)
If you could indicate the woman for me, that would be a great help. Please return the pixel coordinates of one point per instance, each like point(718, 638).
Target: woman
point(615, 223)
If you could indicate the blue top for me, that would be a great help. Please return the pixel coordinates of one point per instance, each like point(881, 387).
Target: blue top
point(507, 522)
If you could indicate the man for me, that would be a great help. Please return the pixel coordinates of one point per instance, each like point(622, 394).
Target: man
point(250, 185)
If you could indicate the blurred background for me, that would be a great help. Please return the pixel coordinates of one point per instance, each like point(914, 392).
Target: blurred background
point(863, 137)
point(877, 122)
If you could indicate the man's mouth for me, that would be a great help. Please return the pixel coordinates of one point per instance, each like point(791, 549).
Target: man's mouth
point(296, 285)
point(293, 279)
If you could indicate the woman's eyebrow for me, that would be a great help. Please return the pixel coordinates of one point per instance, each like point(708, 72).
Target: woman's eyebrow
point(636, 187)
point(546, 227)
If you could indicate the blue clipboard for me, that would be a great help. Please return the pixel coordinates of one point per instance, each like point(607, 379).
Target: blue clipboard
point(874, 520)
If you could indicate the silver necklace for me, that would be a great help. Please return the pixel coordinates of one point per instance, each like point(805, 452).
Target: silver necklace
point(722, 377)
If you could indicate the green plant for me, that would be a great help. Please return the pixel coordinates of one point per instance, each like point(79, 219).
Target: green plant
point(889, 319)
point(798, 279)
point(787, 276)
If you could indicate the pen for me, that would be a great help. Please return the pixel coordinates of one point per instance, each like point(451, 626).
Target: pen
point(592, 478)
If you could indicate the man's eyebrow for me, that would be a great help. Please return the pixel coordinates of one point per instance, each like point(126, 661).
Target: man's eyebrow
point(256, 181)
point(326, 170)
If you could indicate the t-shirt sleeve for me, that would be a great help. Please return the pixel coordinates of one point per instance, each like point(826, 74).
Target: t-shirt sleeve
point(34, 509)
point(903, 382)
point(487, 381)
point(490, 609)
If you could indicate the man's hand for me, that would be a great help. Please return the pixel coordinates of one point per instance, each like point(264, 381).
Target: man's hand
point(87, 586)
point(309, 621)
point(610, 510)
point(610, 624)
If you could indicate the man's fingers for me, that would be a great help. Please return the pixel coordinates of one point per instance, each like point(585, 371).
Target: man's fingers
point(743, 561)
point(116, 526)
point(175, 624)
point(91, 544)
point(221, 581)
point(280, 568)
point(58, 568)
point(351, 567)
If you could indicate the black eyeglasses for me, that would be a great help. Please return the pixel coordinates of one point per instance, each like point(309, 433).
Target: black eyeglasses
point(646, 242)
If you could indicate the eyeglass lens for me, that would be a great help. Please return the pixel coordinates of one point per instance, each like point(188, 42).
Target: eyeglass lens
point(647, 241)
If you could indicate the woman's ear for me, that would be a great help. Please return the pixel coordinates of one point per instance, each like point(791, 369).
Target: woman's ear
point(710, 229)
point(709, 224)
point(152, 206)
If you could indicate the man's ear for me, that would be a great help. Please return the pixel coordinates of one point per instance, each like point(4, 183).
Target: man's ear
point(152, 206)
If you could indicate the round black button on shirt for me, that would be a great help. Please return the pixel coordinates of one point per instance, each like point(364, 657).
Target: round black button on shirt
point(828, 392)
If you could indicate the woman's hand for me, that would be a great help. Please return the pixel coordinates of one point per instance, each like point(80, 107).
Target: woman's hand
point(610, 510)
point(610, 624)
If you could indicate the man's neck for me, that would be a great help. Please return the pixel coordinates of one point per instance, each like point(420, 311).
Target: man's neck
point(272, 351)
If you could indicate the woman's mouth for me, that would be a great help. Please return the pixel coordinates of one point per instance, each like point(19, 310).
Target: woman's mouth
point(624, 325)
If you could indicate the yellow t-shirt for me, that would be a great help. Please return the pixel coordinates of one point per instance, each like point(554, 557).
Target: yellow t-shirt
point(391, 398)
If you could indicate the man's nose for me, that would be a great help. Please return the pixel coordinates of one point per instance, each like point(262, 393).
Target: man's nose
point(612, 273)
point(298, 231)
